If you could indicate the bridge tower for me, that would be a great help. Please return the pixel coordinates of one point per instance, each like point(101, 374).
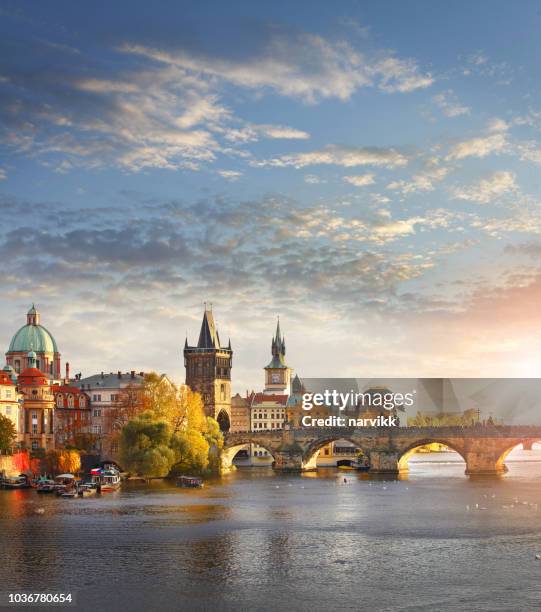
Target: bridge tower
point(278, 373)
point(208, 371)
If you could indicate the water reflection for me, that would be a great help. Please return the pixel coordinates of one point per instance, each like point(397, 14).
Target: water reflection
point(258, 540)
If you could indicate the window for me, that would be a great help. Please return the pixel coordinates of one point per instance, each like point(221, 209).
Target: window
point(34, 428)
point(82, 401)
point(97, 412)
point(96, 398)
point(222, 392)
point(17, 366)
point(8, 393)
point(59, 401)
point(37, 364)
point(96, 429)
point(70, 401)
point(8, 410)
point(35, 444)
point(114, 397)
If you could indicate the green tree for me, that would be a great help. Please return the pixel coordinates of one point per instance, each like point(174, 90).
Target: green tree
point(144, 446)
point(215, 439)
point(7, 433)
point(191, 452)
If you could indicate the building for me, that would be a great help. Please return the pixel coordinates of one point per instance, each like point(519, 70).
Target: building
point(72, 416)
point(33, 337)
point(277, 373)
point(268, 411)
point(37, 427)
point(208, 371)
point(240, 412)
point(9, 400)
point(114, 399)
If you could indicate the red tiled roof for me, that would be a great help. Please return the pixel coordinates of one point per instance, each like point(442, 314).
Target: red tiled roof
point(32, 376)
point(277, 398)
point(5, 379)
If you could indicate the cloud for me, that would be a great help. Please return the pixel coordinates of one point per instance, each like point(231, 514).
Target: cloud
point(348, 157)
point(424, 181)
point(487, 189)
point(478, 147)
point(449, 104)
point(3, 174)
point(304, 66)
point(230, 175)
point(360, 180)
point(313, 179)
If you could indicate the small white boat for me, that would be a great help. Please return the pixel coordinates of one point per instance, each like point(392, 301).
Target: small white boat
point(105, 479)
point(538, 557)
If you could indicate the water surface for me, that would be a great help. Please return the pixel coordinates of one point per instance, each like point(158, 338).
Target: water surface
point(255, 540)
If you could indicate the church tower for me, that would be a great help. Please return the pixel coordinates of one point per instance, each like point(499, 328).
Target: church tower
point(278, 373)
point(208, 371)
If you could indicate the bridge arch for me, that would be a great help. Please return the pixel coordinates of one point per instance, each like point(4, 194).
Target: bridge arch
point(309, 457)
point(229, 451)
point(412, 449)
point(500, 465)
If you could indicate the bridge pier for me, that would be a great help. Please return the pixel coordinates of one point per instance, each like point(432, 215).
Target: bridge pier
point(527, 445)
point(479, 463)
point(384, 462)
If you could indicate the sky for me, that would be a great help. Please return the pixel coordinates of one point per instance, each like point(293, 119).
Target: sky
point(366, 171)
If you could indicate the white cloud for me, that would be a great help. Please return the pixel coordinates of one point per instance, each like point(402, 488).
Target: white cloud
point(230, 175)
point(304, 66)
point(3, 174)
point(478, 147)
point(424, 181)
point(313, 179)
point(487, 189)
point(347, 157)
point(360, 180)
point(449, 104)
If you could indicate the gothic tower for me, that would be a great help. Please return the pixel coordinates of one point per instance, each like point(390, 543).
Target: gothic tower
point(208, 371)
point(278, 373)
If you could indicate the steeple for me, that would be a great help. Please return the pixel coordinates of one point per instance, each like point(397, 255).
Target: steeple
point(277, 373)
point(278, 346)
point(208, 336)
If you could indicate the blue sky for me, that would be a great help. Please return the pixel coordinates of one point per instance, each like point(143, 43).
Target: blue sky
point(369, 172)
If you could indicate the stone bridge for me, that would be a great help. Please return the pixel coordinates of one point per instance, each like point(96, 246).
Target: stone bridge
point(483, 448)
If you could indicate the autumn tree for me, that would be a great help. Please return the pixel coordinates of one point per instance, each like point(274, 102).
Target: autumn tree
point(60, 461)
point(145, 446)
point(191, 452)
point(8, 433)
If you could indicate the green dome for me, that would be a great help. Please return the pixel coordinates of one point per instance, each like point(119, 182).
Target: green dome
point(33, 338)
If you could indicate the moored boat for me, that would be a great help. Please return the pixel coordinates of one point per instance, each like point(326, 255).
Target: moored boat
point(190, 482)
point(65, 485)
point(45, 485)
point(17, 482)
point(105, 479)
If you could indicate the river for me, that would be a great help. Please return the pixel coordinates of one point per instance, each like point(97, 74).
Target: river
point(256, 540)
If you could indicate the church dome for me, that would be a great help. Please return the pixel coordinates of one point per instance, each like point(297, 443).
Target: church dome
point(33, 337)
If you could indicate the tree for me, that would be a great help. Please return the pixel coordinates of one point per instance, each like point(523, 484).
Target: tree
point(215, 439)
point(164, 399)
point(60, 461)
point(144, 446)
point(191, 452)
point(8, 433)
point(443, 419)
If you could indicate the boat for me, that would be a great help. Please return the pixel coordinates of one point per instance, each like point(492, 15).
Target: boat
point(190, 482)
point(44, 485)
point(65, 485)
point(362, 464)
point(16, 482)
point(105, 479)
point(86, 490)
